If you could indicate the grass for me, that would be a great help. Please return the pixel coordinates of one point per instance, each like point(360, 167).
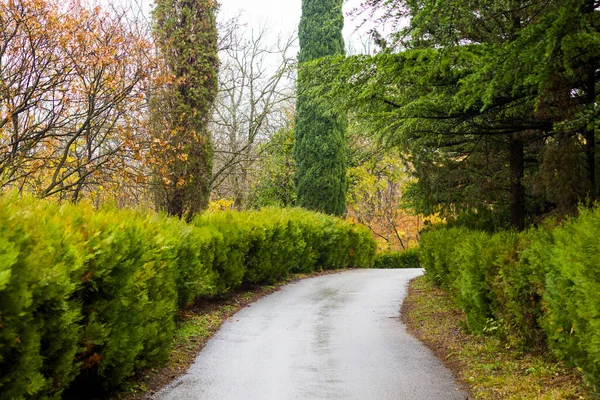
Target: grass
point(486, 367)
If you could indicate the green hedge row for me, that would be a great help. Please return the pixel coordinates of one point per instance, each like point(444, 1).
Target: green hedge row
point(398, 259)
point(537, 288)
point(92, 295)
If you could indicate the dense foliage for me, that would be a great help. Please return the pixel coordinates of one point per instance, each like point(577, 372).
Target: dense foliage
point(319, 148)
point(536, 288)
point(398, 259)
point(274, 184)
point(72, 85)
point(88, 297)
point(186, 35)
point(493, 102)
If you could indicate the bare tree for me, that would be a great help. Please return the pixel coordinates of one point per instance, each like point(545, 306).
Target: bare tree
point(256, 89)
point(71, 91)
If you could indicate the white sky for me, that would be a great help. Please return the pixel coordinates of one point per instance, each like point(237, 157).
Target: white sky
point(283, 16)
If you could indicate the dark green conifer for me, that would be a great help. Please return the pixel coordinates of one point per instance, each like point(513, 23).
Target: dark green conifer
point(320, 134)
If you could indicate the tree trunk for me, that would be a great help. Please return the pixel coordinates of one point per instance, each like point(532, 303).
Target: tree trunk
point(517, 190)
point(175, 203)
point(590, 134)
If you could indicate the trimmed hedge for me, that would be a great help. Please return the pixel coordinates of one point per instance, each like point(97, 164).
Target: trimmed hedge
point(92, 295)
point(398, 259)
point(537, 288)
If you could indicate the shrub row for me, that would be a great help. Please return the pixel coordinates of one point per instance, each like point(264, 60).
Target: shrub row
point(537, 288)
point(92, 295)
point(398, 259)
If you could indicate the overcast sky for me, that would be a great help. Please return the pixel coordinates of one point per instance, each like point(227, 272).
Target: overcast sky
point(283, 16)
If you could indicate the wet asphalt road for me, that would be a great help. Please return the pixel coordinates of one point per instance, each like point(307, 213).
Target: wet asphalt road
point(330, 337)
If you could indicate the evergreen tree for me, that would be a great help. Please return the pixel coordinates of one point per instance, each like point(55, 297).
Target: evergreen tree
point(495, 102)
point(186, 34)
point(320, 143)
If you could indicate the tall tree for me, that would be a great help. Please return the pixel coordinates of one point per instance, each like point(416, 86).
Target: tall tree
point(320, 144)
point(186, 35)
point(72, 80)
point(479, 92)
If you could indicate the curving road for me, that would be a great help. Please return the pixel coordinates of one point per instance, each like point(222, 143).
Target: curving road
point(330, 337)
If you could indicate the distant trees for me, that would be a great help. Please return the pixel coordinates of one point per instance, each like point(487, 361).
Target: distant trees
point(377, 180)
point(255, 96)
point(319, 133)
point(493, 102)
point(273, 185)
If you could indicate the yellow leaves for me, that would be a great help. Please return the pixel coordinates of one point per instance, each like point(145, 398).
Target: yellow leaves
point(87, 60)
point(182, 156)
point(374, 200)
point(434, 219)
point(220, 205)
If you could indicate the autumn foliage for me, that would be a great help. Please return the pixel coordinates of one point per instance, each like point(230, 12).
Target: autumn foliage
point(72, 94)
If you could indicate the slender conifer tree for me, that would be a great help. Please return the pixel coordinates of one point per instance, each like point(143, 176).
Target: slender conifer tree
point(186, 34)
point(320, 144)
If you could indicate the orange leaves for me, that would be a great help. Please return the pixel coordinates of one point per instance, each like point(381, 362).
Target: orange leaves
point(72, 97)
point(91, 361)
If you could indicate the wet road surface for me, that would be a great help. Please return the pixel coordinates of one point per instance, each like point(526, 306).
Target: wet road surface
point(330, 337)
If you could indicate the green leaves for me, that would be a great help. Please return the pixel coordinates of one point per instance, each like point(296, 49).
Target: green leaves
point(398, 259)
point(536, 288)
point(90, 297)
point(320, 145)
point(181, 105)
point(474, 94)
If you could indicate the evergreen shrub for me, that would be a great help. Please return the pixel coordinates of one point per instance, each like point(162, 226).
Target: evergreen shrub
point(398, 259)
point(571, 320)
point(436, 250)
point(87, 297)
point(126, 289)
point(40, 318)
point(536, 288)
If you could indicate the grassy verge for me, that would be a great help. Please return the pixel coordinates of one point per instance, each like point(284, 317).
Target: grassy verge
point(196, 325)
point(484, 365)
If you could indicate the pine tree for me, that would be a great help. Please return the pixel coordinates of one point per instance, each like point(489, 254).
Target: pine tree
point(320, 143)
point(186, 34)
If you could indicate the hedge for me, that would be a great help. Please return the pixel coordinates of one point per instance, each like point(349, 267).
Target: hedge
point(536, 288)
point(398, 259)
point(92, 296)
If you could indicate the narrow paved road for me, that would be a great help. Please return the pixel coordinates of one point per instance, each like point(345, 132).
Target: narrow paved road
point(330, 337)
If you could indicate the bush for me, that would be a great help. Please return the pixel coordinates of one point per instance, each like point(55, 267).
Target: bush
point(478, 258)
point(540, 286)
point(572, 294)
point(40, 320)
point(89, 297)
point(437, 254)
point(398, 259)
point(128, 291)
point(519, 286)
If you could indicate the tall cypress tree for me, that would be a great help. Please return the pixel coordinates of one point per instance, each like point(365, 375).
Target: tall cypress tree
point(186, 35)
point(320, 143)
